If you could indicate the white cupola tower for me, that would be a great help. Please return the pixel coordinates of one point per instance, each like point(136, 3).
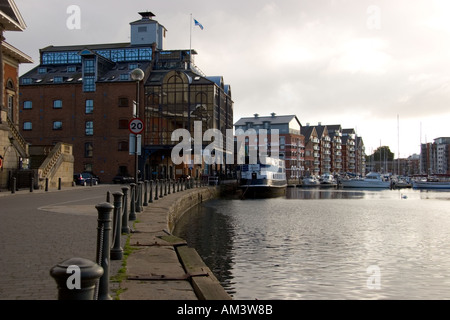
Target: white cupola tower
point(147, 31)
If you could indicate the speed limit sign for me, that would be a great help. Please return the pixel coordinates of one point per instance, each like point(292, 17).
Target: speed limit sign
point(136, 126)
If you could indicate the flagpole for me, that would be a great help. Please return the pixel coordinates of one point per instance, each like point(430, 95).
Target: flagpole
point(190, 41)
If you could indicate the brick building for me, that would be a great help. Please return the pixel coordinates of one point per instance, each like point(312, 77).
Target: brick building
point(84, 95)
point(13, 148)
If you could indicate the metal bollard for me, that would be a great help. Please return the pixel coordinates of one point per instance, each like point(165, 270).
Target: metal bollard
point(151, 192)
point(169, 181)
point(76, 278)
point(32, 184)
point(117, 251)
point(145, 193)
point(165, 187)
point(132, 216)
point(156, 189)
point(59, 183)
point(137, 196)
point(103, 247)
point(108, 196)
point(141, 188)
point(13, 187)
point(125, 227)
point(178, 185)
point(161, 188)
point(46, 184)
point(173, 185)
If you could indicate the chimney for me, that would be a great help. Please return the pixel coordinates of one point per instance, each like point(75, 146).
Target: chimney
point(146, 15)
point(307, 124)
point(256, 115)
point(273, 114)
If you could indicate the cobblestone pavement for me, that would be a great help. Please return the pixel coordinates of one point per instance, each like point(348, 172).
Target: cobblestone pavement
point(41, 229)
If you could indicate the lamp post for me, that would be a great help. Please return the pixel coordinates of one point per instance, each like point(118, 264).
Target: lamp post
point(136, 75)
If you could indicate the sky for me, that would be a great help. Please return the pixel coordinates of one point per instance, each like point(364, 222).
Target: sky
point(380, 67)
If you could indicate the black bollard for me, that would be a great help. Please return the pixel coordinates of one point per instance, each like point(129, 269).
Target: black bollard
point(141, 188)
point(46, 184)
point(108, 196)
point(151, 191)
point(156, 189)
point(76, 278)
point(161, 188)
point(132, 216)
point(13, 187)
point(32, 184)
point(103, 247)
point(137, 197)
point(169, 181)
point(125, 227)
point(165, 187)
point(173, 185)
point(178, 185)
point(145, 193)
point(117, 251)
point(59, 183)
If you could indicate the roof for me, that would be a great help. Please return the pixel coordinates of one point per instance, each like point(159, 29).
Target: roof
point(10, 17)
point(16, 53)
point(257, 120)
point(86, 46)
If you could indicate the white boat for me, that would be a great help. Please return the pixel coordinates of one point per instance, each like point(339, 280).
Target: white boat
point(263, 180)
point(431, 183)
point(310, 181)
point(371, 180)
point(327, 180)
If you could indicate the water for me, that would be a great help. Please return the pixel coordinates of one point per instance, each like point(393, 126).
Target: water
point(327, 244)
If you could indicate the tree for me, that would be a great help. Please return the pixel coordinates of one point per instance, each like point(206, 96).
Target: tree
point(381, 154)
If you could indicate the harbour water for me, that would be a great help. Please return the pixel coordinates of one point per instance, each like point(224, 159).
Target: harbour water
point(327, 244)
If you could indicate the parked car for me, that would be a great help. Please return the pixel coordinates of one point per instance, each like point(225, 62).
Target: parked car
point(84, 179)
point(95, 176)
point(123, 179)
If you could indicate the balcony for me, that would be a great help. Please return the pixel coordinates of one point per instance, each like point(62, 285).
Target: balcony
point(315, 140)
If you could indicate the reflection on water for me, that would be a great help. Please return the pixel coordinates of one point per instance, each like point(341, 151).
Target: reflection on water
point(325, 244)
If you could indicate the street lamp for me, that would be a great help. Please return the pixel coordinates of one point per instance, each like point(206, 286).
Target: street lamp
point(136, 75)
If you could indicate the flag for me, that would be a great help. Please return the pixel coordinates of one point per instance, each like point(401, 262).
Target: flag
point(198, 24)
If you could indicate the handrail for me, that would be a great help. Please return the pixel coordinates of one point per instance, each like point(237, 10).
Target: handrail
point(17, 136)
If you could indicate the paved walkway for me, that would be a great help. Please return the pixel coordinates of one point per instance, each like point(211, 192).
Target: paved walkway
point(162, 266)
point(159, 266)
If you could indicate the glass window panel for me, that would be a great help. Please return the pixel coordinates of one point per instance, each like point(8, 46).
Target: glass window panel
point(89, 128)
point(57, 125)
point(27, 126)
point(28, 105)
point(57, 104)
point(89, 106)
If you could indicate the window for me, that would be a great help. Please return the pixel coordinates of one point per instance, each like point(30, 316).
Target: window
point(89, 128)
point(27, 126)
point(124, 77)
point(123, 124)
point(132, 66)
point(42, 70)
point(89, 84)
point(142, 29)
point(123, 102)
point(58, 80)
point(123, 146)
point(28, 105)
point(89, 66)
point(89, 106)
point(57, 125)
point(88, 150)
point(57, 104)
point(71, 69)
point(27, 81)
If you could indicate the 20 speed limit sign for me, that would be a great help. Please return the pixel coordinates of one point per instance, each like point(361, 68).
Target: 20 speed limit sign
point(136, 125)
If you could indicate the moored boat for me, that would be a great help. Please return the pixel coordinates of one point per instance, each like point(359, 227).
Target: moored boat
point(310, 181)
point(371, 180)
point(327, 180)
point(264, 180)
point(431, 183)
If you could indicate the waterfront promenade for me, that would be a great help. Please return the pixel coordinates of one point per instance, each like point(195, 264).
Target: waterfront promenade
point(155, 264)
